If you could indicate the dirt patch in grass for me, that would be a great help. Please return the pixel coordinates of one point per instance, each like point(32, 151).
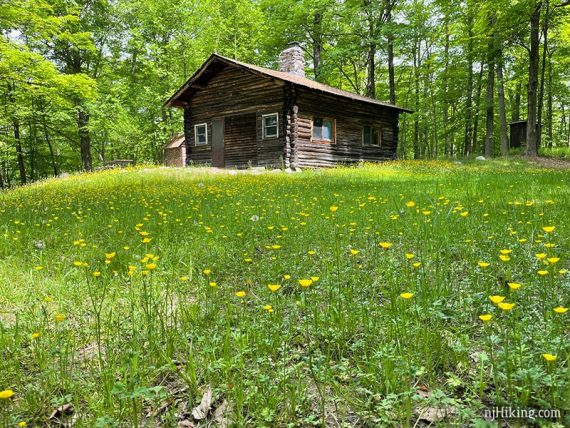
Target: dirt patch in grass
point(554, 163)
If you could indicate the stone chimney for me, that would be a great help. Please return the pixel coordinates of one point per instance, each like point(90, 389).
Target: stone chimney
point(292, 60)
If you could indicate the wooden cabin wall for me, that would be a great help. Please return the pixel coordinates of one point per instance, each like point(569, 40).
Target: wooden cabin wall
point(350, 116)
point(241, 98)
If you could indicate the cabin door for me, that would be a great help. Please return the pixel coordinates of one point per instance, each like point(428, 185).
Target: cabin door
point(218, 142)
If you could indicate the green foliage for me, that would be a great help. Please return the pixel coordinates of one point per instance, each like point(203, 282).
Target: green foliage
point(119, 61)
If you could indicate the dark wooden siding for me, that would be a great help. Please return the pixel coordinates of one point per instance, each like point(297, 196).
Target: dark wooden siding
point(350, 117)
point(241, 98)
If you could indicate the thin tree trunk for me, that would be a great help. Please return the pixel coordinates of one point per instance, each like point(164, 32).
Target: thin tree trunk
point(542, 72)
point(84, 138)
point(502, 111)
point(317, 44)
point(389, 4)
point(477, 108)
point(467, 142)
point(371, 79)
point(50, 147)
point(516, 108)
point(489, 141)
point(445, 89)
point(549, 102)
point(19, 153)
point(531, 139)
point(416, 64)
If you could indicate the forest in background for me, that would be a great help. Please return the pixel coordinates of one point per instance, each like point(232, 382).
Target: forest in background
point(83, 82)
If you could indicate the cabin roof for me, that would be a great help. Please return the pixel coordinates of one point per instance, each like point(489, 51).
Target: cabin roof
point(175, 142)
point(216, 63)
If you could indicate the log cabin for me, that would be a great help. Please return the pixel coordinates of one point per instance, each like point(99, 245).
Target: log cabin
point(240, 115)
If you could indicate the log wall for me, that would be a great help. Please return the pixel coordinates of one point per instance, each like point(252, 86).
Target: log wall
point(350, 117)
point(241, 98)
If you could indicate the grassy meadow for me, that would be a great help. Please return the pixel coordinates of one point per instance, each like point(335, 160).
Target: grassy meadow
point(406, 294)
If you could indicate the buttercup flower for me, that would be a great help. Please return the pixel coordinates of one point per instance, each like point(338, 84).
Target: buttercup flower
point(560, 310)
point(549, 357)
point(506, 306)
point(240, 294)
point(7, 393)
point(485, 317)
point(305, 282)
point(496, 299)
point(274, 287)
point(406, 295)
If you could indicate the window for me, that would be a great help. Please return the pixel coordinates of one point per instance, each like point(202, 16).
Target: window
point(371, 136)
point(323, 129)
point(270, 125)
point(201, 134)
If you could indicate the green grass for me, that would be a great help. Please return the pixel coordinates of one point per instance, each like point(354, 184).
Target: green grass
point(141, 349)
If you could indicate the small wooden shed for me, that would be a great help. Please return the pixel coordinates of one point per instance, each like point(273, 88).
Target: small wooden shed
point(518, 133)
point(175, 151)
point(239, 115)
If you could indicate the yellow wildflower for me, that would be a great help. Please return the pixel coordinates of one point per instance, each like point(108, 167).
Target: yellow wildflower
point(410, 256)
point(274, 287)
point(485, 317)
point(496, 299)
point(385, 245)
point(151, 266)
point(410, 204)
point(483, 264)
point(305, 282)
point(548, 229)
point(506, 306)
point(333, 208)
point(406, 295)
point(504, 257)
point(560, 310)
point(540, 256)
point(506, 252)
point(59, 317)
point(35, 335)
point(549, 357)
point(110, 256)
point(514, 285)
point(184, 278)
point(553, 260)
point(268, 308)
point(96, 274)
point(286, 276)
point(354, 252)
point(213, 284)
point(207, 271)
point(240, 294)
point(7, 393)
point(542, 272)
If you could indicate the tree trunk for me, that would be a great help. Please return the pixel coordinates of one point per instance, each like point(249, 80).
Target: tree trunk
point(19, 153)
point(549, 102)
point(531, 139)
point(502, 111)
point(542, 73)
point(467, 142)
point(317, 44)
point(489, 141)
point(50, 147)
point(84, 138)
point(416, 65)
point(371, 79)
point(516, 108)
point(445, 89)
point(477, 105)
point(390, 50)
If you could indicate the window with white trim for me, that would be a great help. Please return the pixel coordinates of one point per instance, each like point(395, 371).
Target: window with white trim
point(270, 123)
point(323, 129)
point(201, 134)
